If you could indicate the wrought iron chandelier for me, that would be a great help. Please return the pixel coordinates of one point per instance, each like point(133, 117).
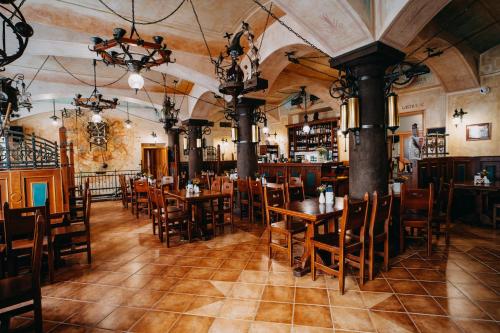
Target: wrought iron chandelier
point(13, 92)
point(133, 52)
point(169, 114)
point(95, 103)
point(15, 30)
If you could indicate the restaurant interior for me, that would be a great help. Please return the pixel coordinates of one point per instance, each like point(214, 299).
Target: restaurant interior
point(250, 166)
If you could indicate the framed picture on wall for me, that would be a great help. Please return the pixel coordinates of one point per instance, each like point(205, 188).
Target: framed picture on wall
point(478, 132)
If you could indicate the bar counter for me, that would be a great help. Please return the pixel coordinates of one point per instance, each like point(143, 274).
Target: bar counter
point(313, 174)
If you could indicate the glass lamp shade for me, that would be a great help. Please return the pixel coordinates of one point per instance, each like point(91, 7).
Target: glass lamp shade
point(55, 121)
point(265, 130)
point(353, 113)
point(343, 118)
point(392, 112)
point(234, 134)
point(128, 125)
point(456, 120)
point(199, 143)
point(136, 81)
point(306, 128)
point(255, 134)
point(96, 118)
point(185, 142)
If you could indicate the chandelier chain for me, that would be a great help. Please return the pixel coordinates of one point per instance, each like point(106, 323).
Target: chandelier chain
point(84, 82)
point(290, 29)
point(201, 31)
point(142, 23)
point(37, 71)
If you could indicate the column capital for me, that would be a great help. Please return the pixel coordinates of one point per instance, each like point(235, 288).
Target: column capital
point(376, 53)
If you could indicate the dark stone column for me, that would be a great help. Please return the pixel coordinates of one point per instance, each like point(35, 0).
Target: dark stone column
point(368, 161)
point(195, 161)
point(246, 163)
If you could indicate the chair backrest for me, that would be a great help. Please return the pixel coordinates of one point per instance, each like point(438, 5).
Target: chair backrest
point(37, 251)
point(228, 188)
point(160, 202)
point(280, 186)
point(445, 200)
point(420, 200)
point(295, 181)
point(381, 213)
point(354, 218)
point(88, 206)
point(141, 186)
point(152, 196)
point(19, 223)
point(273, 197)
point(242, 185)
point(216, 185)
point(256, 188)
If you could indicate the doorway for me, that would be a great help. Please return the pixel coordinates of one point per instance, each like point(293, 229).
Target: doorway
point(154, 159)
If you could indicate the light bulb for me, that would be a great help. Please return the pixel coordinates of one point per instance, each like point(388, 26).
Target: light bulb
point(265, 130)
point(96, 118)
point(306, 129)
point(128, 125)
point(136, 81)
point(55, 122)
point(456, 121)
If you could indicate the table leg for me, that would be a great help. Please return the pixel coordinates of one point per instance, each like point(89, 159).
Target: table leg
point(220, 221)
point(305, 261)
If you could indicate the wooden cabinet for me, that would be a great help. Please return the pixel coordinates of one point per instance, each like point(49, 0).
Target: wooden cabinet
point(323, 133)
point(269, 149)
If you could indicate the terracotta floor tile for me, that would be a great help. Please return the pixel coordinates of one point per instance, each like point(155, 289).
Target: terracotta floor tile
point(392, 322)
point(349, 299)
point(491, 308)
point(152, 269)
point(427, 275)
point(176, 271)
point(258, 265)
point(281, 279)
point(379, 285)
point(312, 315)
point(312, 329)
point(161, 283)
point(174, 302)
point(117, 295)
point(155, 321)
point(65, 328)
point(90, 314)
point(206, 306)
point(441, 289)
point(144, 298)
point(275, 312)
point(352, 319)
point(189, 323)
point(265, 327)
point(477, 326)
point(61, 289)
point(382, 301)
point(247, 291)
point(200, 273)
point(58, 310)
point(407, 287)
point(90, 293)
point(221, 325)
point(421, 304)
point(239, 309)
point(307, 282)
point(433, 324)
point(399, 273)
point(131, 267)
point(233, 264)
point(312, 296)
point(121, 319)
point(478, 292)
point(461, 307)
point(113, 278)
point(136, 281)
point(278, 294)
point(226, 275)
point(253, 276)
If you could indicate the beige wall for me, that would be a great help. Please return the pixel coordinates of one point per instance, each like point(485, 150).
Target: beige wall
point(124, 145)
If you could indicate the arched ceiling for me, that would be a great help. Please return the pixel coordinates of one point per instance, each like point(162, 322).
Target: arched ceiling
point(63, 29)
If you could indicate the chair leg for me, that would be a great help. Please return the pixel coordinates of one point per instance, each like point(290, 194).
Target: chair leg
point(429, 240)
point(447, 236)
point(362, 265)
point(313, 262)
point(89, 251)
point(341, 274)
point(50, 263)
point(37, 304)
point(167, 235)
point(386, 254)
point(290, 249)
point(154, 225)
point(270, 249)
point(371, 261)
point(401, 237)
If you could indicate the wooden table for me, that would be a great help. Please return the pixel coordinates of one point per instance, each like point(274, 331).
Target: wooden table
point(311, 212)
point(197, 200)
point(479, 191)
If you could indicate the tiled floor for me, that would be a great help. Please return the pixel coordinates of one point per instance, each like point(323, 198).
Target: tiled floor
point(228, 284)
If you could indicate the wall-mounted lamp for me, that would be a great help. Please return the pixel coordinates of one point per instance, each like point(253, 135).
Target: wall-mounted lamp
point(344, 119)
point(255, 134)
point(353, 117)
point(457, 116)
point(153, 135)
point(234, 133)
point(392, 112)
point(223, 140)
point(185, 143)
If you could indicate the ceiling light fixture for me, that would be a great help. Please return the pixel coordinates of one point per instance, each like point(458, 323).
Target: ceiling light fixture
point(133, 52)
point(128, 122)
point(169, 113)
point(54, 118)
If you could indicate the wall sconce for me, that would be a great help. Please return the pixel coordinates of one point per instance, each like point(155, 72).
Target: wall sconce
point(353, 117)
point(392, 112)
point(265, 129)
point(199, 143)
point(185, 143)
point(344, 118)
point(153, 135)
point(255, 134)
point(223, 140)
point(457, 116)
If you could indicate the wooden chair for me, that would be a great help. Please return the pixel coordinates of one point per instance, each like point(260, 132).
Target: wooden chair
point(141, 196)
point(17, 291)
point(344, 247)
point(379, 230)
point(77, 207)
point(227, 208)
point(19, 225)
point(296, 189)
point(171, 223)
point(126, 194)
point(275, 196)
point(416, 213)
point(153, 207)
point(74, 236)
point(244, 197)
point(257, 194)
point(442, 213)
